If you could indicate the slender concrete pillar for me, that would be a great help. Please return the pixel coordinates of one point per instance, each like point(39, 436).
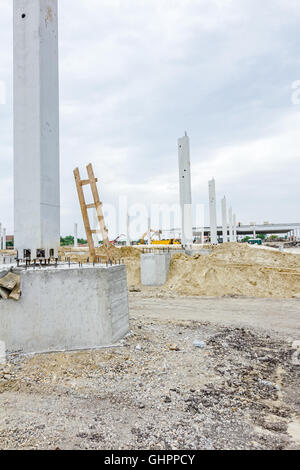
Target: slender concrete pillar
point(234, 229)
point(75, 235)
point(185, 191)
point(36, 128)
point(149, 230)
point(128, 241)
point(230, 225)
point(4, 239)
point(224, 220)
point(213, 212)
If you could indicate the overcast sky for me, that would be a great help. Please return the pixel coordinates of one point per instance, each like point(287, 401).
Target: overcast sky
point(135, 74)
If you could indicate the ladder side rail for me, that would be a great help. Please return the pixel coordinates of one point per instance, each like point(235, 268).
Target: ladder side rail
point(84, 213)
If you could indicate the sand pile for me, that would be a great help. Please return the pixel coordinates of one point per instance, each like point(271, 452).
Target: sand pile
point(8, 252)
point(231, 269)
point(236, 269)
point(128, 254)
point(245, 254)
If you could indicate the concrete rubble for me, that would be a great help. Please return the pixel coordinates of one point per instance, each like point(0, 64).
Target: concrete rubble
point(10, 286)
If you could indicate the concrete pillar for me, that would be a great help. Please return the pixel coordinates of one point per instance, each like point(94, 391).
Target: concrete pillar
point(234, 229)
point(128, 241)
point(155, 268)
point(75, 235)
point(149, 230)
point(4, 239)
point(213, 212)
point(185, 191)
point(0, 236)
point(230, 225)
point(36, 128)
point(224, 220)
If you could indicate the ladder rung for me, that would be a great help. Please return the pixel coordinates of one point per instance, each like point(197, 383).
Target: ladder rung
point(85, 182)
point(90, 206)
point(95, 231)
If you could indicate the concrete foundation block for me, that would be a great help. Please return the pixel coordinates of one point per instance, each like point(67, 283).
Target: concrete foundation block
point(66, 309)
point(155, 268)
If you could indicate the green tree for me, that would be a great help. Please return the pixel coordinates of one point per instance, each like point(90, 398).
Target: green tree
point(69, 241)
point(262, 236)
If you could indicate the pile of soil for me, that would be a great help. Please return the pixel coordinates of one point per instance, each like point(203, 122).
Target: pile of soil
point(231, 269)
point(235, 269)
point(129, 255)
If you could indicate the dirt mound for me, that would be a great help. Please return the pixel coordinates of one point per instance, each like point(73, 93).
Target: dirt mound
point(82, 253)
point(130, 256)
point(130, 252)
point(231, 269)
point(245, 254)
point(236, 269)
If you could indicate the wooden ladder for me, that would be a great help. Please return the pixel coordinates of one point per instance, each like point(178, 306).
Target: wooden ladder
point(97, 204)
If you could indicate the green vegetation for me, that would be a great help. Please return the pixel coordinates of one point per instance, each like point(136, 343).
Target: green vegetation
point(69, 241)
point(262, 236)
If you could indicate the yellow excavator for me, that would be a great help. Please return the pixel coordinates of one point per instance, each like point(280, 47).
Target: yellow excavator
point(152, 233)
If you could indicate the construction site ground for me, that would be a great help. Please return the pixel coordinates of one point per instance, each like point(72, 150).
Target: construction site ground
point(157, 390)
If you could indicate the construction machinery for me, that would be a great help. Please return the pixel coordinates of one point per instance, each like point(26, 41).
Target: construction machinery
point(150, 234)
point(170, 241)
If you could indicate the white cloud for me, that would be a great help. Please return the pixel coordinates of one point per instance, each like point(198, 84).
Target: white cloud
point(136, 73)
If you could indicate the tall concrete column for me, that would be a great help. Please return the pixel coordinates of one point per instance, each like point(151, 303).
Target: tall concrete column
point(75, 235)
point(149, 230)
point(185, 191)
point(213, 212)
point(128, 241)
point(230, 225)
point(224, 220)
point(4, 239)
point(36, 128)
point(234, 229)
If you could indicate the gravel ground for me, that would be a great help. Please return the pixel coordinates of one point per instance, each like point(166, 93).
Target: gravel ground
point(157, 391)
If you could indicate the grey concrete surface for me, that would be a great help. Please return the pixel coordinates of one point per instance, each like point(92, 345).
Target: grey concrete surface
point(155, 268)
point(66, 309)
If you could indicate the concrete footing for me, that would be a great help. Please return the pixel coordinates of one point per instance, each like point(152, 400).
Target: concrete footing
point(65, 309)
point(155, 268)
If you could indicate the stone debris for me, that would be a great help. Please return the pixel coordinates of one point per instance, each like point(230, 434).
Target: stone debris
point(10, 286)
point(16, 292)
point(199, 344)
point(154, 398)
point(4, 293)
